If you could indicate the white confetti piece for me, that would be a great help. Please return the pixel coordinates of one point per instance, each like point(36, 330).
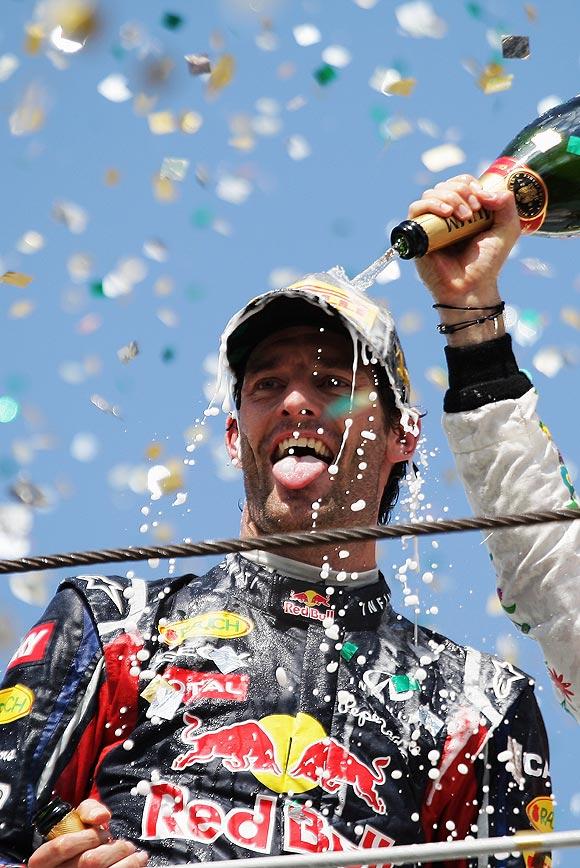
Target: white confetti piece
point(549, 361)
point(233, 189)
point(115, 88)
point(419, 19)
point(9, 63)
point(298, 148)
point(306, 34)
point(442, 157)
point(61, 43)
point(337, 56)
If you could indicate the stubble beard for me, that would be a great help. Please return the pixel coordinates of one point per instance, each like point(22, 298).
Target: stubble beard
point(268, 514)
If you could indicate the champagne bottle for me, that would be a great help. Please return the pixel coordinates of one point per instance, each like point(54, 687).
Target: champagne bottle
point(541, 165)
point(57, 818)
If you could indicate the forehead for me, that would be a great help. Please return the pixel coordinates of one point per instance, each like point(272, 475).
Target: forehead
point(325, 344)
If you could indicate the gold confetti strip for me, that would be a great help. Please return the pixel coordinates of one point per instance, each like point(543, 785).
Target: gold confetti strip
point(531, 11)
point(402, 87)
point(28, 117)
point(164, 189)
point(222, 74)
point(112, 177)
point(493, 79)
point(190, 122)
point(154, 451)
point(570, 316)
point(143, 104)
point(15, 278)
point(34, 38)
point(161, 123)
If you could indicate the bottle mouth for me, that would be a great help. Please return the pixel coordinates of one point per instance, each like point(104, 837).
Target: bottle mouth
point(410, 240)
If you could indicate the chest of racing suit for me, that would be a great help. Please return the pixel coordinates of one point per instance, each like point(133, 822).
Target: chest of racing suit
point(246, 713)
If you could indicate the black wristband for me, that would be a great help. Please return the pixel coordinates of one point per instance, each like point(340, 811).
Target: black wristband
point(483, 374)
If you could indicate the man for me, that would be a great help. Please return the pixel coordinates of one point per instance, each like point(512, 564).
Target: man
point(277, 704)
point(505, 455)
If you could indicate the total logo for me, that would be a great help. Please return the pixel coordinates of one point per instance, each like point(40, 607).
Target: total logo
point(305, 603)
point(286, 754)
point(169, 813)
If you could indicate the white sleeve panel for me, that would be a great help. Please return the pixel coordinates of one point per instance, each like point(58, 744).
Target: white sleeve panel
point(508, 463)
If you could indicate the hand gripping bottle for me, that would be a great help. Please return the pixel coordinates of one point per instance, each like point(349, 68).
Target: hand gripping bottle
point(57, 818)
point(542, 168)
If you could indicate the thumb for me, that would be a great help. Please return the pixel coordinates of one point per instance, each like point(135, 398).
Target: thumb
point(93, 813)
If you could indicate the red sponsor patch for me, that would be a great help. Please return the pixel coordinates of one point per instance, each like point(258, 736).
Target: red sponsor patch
point(33, 647)
point(208, 685)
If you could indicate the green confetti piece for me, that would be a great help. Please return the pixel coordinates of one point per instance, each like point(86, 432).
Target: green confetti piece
point(379, 114)
point(194, 292)
point(348, 650)
point(573, 146)
point(9, 408)
point(168, 354)
point(172, 21)
point(97, 289)
point(202, 218)
point(402, 683)
point(474, 9)
point(325, 74)
point(118, 52)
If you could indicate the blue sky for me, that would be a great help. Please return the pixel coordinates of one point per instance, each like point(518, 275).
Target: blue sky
point(283, 176)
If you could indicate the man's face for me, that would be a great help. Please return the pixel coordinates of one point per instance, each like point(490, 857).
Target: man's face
point(308, 458)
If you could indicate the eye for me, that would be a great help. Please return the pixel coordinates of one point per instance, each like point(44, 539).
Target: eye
point(267, 383)
point(332, 381)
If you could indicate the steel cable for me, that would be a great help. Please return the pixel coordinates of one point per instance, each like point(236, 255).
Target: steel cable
point(275, 541)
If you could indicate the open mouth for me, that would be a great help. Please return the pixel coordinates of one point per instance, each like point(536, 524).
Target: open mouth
point(300, 447)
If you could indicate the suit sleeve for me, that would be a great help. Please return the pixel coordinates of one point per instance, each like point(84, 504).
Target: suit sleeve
point(48, 699)
point(517, 773)
point(508, 463)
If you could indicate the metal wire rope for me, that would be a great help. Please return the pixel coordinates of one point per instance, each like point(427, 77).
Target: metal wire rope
point(274, 541)
point(407, 853)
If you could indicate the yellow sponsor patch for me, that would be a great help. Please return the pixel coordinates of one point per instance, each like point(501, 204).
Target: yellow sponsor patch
point(15, 702)
point(219, 624)
point(540, 813)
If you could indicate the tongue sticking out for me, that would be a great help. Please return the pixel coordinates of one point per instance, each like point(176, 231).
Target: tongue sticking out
point(298, 471)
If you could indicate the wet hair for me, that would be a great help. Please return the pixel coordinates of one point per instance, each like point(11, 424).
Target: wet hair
point(390, 495)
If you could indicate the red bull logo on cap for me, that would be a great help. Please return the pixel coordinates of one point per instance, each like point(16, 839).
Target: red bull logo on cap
point(306, 603)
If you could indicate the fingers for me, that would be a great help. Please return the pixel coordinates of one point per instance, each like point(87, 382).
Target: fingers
point(87, 850)
point(120, 854)
point(461, 197)
point(93, 813)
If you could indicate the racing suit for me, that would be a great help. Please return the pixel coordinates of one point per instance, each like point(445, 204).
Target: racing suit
point(248, 712)
point(508, 463)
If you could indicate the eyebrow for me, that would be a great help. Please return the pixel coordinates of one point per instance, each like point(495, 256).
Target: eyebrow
point(267, 363)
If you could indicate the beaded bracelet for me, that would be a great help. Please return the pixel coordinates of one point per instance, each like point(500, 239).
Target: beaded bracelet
point(451, 328)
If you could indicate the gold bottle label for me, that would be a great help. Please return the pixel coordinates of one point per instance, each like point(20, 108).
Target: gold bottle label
point(70, 823)
point(443, 231)
point(530, 191)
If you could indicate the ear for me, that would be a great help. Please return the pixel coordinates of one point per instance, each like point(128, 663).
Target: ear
point(401, 444)
point(232, 440)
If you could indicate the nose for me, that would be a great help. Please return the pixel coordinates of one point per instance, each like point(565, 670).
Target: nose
point(299, 401)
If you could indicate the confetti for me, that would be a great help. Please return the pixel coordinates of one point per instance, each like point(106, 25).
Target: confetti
point(494, 80)
point(198, 64)
point(298, 148)
point(162, 123)
point(61, 43)
point(515, 47)
point(73, 216)
point(155, 249)
point(112, 177)
point(128, 353)
point(306, 34)
point(84, 447)
point(115, 88)
point(174, 168)
point(21, 309)
point(570, 316)
point(15, 278)
point(573, 146)
point(190, 122)
point(9, 409)
point(537, 267)
point(400, 87)
point(419, 19)
point(222, 74)
point(9, 63)
point(172, 21)
point(29, 115)
point(337, 56)
point(233, 189)
point(438, 377)
point(549, 361)
point(325, 74)
point(31, 588)
point(28, 493)
point(31, 242)
point(442, 157)
point(102, 404)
